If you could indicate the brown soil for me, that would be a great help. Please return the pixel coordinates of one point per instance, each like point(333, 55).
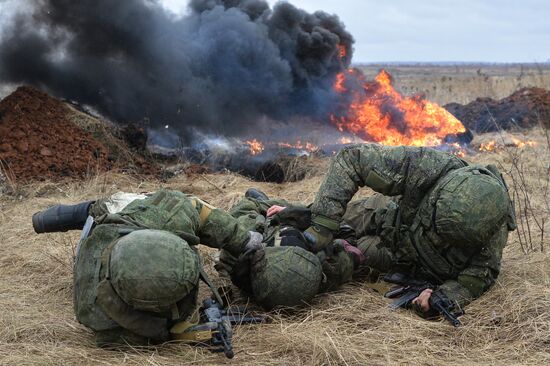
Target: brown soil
point(37, 141)
point(43, 138)
point(525, 108)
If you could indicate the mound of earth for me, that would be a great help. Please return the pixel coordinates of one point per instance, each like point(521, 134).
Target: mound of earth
point(37, 141)
point(525, 108)
point(43, 138)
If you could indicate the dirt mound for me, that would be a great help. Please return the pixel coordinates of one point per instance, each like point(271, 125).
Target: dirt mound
point(37, 141)
point(43, 138)
point(525, 108)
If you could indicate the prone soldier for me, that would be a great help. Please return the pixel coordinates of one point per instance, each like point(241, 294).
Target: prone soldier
point(136, 268)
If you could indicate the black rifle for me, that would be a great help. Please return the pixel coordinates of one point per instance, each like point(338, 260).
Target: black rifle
point(218, 323)
point(409, 289)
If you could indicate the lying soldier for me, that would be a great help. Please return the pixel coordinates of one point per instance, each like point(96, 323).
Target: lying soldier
point(283, 229)
point(436, 218)
point(136, 270)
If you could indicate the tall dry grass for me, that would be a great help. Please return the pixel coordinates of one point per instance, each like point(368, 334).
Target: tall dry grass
point(444, 84)
point(508, 325)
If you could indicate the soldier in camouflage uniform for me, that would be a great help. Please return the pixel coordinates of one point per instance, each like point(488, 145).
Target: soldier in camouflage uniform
point(285, 229)
point(136, 270)
point(436, 217)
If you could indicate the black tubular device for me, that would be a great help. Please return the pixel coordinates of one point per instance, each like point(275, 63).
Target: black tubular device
point(61, 218)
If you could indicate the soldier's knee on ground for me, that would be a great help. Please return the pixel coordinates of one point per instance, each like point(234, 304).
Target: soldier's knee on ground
point(119, 337)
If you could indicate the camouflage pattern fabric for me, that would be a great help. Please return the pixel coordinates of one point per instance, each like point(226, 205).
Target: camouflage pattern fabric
point(337, 269)
point(470, 204)
point(119, 309)
point(152, 269)
point(367, 216)
point(289, 276)
point(251, 215)
point(186, 216)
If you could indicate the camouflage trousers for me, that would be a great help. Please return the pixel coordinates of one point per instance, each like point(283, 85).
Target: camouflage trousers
point(366, 216)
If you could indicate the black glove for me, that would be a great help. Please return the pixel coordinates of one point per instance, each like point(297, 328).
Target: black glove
point(292, 237)
point(295, 216)
point(347, 233)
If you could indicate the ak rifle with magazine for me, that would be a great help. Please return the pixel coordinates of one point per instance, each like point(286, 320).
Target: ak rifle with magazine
point(407, 289)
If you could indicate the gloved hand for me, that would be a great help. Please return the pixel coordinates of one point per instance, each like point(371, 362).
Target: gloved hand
point(355, 253)
point(254, 242)
point(346, 232)
point(250, 261)
point(295, 216)
point(292, 237)
point(319, 237)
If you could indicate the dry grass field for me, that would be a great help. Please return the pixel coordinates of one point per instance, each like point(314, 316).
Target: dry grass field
point(462, 83)
point(508, 325)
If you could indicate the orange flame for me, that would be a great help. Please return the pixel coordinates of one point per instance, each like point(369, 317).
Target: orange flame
point(379, 113)
point(457, 150)
point(255, 146)
point(342, 52)
point(488, 146)
point(513, 142)
point(339, 84)
point(521, 144)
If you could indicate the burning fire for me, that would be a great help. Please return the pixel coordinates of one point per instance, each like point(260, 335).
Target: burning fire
point(521, 144)
point(342, 52)
point(379, 113)
point(299, 145)
point(339, 84)
point(255, 146)
point(513, 142)
point(488, 146)
point(375, 111)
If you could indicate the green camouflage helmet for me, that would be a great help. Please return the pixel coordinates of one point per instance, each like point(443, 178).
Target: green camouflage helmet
point(290, 276)
point(472, 205)
point(151, 270)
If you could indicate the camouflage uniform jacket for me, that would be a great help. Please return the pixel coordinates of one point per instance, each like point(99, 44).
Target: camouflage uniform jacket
point(188, 217)
point(405, 227)
point(251, 214)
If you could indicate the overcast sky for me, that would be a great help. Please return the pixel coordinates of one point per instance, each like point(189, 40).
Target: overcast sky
point(439, 30)
point(430, 30)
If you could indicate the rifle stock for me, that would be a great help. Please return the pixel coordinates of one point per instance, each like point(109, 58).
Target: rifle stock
point(215, 327)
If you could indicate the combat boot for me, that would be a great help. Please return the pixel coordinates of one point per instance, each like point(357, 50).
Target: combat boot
point(256, 194)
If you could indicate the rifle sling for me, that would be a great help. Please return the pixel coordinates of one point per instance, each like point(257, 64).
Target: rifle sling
point(204, 277)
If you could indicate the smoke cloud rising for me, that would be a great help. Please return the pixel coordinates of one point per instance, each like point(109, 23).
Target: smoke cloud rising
point(218, 69)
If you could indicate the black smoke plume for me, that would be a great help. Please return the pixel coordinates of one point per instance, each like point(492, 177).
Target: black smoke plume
point(217, 69)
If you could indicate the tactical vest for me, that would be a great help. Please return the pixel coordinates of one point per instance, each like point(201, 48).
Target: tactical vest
point(94, 297)
point(418, 249)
